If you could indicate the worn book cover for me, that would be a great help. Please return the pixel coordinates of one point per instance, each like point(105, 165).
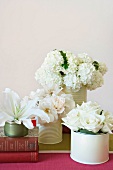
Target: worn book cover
point(8, 157)
point(17, 144)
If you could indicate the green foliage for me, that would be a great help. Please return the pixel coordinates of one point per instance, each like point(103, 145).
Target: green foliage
point(89, 132)
point(62, 73)
point(96, 65)
point(101, 112)
point(65, 64)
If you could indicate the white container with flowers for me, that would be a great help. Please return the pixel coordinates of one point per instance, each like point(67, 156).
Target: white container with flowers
point(71, 72)
point(52, 104)
point(15, 115)
point(90, 127)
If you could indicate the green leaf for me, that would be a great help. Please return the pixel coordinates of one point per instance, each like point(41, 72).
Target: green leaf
point(96, 65)
point(65, 64)
point(101, 112)
point(62, 73)
point(90, 132)
point(87, 132)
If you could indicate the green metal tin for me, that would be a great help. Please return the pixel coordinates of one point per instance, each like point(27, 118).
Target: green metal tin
point(13, 129)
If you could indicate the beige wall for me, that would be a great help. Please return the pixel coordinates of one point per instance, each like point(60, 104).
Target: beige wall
point(29, 29)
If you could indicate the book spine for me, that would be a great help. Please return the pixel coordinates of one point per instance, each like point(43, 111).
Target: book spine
point(8, 144)
point(8, 157)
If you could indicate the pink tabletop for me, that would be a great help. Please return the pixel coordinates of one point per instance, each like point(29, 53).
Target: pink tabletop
point(56, 161)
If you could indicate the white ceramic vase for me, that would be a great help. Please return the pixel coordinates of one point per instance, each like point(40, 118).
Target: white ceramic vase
point(50, 133)
point(79, 96)
point(89, 149)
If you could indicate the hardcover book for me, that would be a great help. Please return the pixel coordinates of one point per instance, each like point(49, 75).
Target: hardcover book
point(8, 157)
point(62, 147)
point(19, 144)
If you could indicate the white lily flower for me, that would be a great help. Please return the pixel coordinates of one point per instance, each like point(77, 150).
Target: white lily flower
point(13, 109)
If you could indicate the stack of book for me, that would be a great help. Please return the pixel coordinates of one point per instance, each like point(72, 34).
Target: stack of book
point(19, 149)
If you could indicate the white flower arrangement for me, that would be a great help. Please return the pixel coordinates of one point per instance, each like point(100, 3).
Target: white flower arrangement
point(64, 68)
point(12, 109)
point(89, 118)
point(52, 104)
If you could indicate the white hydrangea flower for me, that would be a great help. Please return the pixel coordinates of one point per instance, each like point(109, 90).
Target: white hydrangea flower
point(55, 57)
point(96, 81)
point(45, 77)
point(64, 68)
point(71, 80)
point(102, 68)
point(85, 71)
point(84, 58)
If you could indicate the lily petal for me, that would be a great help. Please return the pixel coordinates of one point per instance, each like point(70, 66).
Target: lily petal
point(28, 123)
point(27, 109)
point(9, 101)
point(2, 121)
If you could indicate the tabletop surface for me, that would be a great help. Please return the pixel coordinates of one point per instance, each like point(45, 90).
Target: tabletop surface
point(57, 161)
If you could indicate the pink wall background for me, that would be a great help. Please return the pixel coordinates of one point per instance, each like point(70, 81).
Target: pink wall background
point(29, 29)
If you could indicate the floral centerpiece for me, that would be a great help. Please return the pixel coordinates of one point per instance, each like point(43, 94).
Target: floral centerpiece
point(15, 115)
point(90, 128)
point(89, 118)
point(64, 68)
point(12, 109)
point(52, 104)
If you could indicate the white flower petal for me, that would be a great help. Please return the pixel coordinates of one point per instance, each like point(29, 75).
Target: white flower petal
point(28, 123)
point(2, 120)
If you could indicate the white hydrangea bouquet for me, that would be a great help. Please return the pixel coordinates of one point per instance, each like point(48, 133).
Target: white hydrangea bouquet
point(89, 118)
point(52, 104)
point(64, 68)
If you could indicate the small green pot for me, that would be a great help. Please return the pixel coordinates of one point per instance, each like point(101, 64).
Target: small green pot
point(13, 129)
